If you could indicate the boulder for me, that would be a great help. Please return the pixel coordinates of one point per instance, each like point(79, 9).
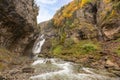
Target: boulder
point(28, 70)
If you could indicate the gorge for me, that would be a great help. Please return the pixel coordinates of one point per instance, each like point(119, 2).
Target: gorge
point(80, 42)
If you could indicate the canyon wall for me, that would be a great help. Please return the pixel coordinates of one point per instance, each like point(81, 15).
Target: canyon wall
point(18, 24)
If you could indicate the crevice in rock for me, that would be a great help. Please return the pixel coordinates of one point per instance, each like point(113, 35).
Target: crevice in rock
point(94, 10)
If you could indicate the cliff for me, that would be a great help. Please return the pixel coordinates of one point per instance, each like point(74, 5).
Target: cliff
point(91, 17)
point(85, 31)
point(17, 24)
point(18, 31)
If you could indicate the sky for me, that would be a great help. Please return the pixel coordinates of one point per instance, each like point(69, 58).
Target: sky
point(47, 8)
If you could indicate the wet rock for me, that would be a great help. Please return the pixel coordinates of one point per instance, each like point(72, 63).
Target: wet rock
point(2, 78)
point(28, 70)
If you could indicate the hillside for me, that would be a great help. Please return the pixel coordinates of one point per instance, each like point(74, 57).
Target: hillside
point(85, 31)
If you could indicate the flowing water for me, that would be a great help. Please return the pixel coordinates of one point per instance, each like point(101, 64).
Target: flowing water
point(38, 45)
point(57, 69)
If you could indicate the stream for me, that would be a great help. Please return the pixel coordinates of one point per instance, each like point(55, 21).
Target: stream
point(57, 69)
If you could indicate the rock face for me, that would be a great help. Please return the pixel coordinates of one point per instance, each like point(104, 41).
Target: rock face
point(85, 20)
point(89, 19)
point(50, 32)
point(17, 24)
point(108, 18)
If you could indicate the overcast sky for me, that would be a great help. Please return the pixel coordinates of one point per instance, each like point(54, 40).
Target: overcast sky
point(48, 8)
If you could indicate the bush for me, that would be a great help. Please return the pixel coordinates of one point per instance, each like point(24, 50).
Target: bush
point(86, 48)
point(70, 48)
point(57, 49)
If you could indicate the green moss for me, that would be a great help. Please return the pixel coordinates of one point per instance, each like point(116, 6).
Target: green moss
point(118, 51)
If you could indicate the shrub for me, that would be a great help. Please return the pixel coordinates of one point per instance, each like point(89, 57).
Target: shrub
point(86, 48)
point(57, 49)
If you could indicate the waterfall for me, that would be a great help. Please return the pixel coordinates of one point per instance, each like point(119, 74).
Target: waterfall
point(38, 45)
point(57, 69)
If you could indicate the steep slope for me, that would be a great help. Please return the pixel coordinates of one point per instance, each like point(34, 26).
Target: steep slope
point(81, 30)
point(91, 15)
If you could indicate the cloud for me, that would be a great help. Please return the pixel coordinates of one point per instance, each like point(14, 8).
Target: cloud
point(46, 1)
point(43, 15)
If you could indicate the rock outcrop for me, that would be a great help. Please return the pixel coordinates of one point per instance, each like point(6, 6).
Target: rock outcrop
point(108, 18)
point(93, 18)
point(17, 24)
point(84, 24)
point(85, 19)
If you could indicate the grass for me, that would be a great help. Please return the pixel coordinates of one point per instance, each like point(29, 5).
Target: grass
point(117, 40)
point(4, 57)
point(5, 54)
point(118, 51)
point(57, 49)
point(1, 66)
point(76, 49)
point(8, 59)
point(86, 48)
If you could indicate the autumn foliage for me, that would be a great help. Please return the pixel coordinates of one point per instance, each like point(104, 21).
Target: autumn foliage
point(68, 11)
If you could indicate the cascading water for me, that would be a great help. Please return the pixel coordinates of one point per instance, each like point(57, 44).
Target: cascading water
point(57, 69)
point(38, 45)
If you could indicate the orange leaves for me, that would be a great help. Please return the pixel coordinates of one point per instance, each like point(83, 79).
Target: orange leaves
point(68, 11)
point(83, 2)
point(58, 20)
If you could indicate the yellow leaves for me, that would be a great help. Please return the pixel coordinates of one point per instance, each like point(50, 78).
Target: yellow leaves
point(58, 20)
point(68, 10)
point(83, 2)
point(67, 15)
point(106, 1)
point(113, 13)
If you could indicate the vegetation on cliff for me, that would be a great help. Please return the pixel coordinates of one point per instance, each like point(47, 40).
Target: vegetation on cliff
point(86, 31)
point(68, 11)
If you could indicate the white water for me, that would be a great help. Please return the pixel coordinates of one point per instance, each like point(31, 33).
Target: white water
point(56, 69)
point(38, 45)
point(66, 71)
